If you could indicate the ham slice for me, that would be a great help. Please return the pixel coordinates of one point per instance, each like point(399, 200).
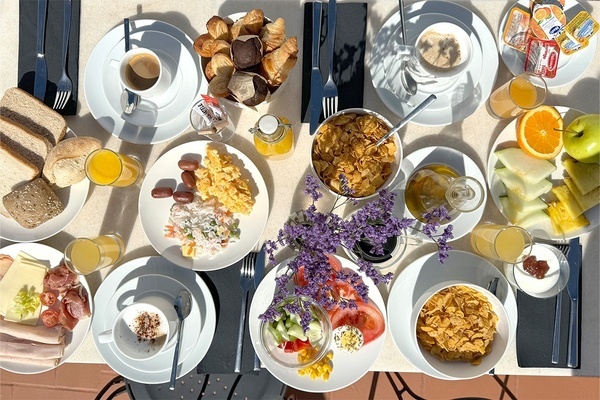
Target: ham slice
point(77, 304)
point(61, 279)
point(5, 263)
point(38, 333)
point(15, 347)
point(49, 362)
point(65, 318)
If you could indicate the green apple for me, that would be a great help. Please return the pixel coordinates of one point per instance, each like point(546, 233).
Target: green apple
point(582, 138)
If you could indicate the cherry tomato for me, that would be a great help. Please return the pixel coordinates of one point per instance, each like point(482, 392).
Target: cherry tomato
point(367, 318)
point(295, 346)
point(47, 298)
point(50, 317)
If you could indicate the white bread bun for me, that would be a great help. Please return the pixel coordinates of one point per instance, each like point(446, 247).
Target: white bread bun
point(65, 164)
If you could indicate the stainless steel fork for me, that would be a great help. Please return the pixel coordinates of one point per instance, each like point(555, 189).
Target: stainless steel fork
point(564, 248)
point(330, 91)
point(246, 282)
point(64, 87)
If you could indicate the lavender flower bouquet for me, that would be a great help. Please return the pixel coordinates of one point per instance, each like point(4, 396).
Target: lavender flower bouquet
point(320, 234)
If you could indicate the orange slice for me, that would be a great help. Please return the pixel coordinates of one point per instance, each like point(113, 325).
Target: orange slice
point(540, 132)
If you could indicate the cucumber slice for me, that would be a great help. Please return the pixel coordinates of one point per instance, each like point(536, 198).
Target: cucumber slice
point(275, 333)
point(314, 333)
point(297, 332)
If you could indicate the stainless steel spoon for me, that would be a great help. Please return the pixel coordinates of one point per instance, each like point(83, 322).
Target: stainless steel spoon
point(183, 306)
point(407, 80)
point(416, 111)
point(129, 100)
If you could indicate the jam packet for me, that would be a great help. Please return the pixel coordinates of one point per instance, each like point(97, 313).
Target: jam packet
point(516, 30)
point(208, 115)
point(541, 57)
point(577, 33)
point(547, 21)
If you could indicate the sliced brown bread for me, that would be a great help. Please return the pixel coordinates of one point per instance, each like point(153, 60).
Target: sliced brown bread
point(21, 107)
point(14, 171)
point(33, 203)
point(33, 147)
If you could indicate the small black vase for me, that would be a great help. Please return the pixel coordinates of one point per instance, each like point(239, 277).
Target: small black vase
point(362, 249)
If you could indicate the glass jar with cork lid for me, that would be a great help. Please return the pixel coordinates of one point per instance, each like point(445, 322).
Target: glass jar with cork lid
point(273, 135)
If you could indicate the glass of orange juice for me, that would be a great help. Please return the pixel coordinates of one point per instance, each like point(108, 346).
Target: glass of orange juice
point(106, 167)
point(524, 92)
point(507, 243)
point(86, 255)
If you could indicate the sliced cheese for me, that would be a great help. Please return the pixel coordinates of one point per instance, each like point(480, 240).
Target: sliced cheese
point(585, 201)
point(25, 273)
point(585, 175)
point(524, 190)
point(530, 169)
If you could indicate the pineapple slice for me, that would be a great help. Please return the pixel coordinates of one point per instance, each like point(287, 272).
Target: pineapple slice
point(564, 195)
point(525, 206)
point(586, 176)
point(524, 190)
point(585, 201)
point(530, 169)
point(525, 219)
point(562, 223)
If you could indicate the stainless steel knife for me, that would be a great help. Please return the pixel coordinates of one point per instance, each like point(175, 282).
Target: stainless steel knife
point(41, 72)
point(259, 271)
point(316, 82)
point(574, 259)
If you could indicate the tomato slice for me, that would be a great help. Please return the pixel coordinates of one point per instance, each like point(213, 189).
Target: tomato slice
point(50, 317)
point(295, 345)
point(367, 317)
point(333, 261)
point(48, 298)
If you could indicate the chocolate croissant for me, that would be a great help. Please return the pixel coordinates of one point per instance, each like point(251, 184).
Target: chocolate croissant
point(273, 35)
point(276, 65)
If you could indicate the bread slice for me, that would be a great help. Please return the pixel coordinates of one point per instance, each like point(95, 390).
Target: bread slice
point(33, 203)
point(31, 146)
point(65, 164)
point(14, 171)
point(24, 109)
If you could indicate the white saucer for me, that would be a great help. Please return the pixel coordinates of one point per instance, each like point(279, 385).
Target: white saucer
point(461, 163)
point(347, 367)
point(570, 67)
point(123, 284)
point(471, 101)
point(426, 272)
point(449, 91)
point(104, 105)
point(73, 198)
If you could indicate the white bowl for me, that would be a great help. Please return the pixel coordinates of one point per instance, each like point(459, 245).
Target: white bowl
point(460, 369)
point(464, 42)
point(395, 167)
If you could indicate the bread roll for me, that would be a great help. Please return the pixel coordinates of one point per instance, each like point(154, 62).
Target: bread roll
point(33, 203)
point(65, 164)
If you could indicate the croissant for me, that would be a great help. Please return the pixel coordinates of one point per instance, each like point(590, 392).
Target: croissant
point(219, 46)
point(253, 21)
point(273, 35)
point(276, 65)
point(237, 29)
point(208, 71)
point(217, 28)
point(199, 42)
point(222, 65)
point(218, 86)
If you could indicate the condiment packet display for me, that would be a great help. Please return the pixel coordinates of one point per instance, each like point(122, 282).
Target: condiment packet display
point(542, 57)
point(208, 115)
point(577, 33)
point(516, 30)
point(547, 21)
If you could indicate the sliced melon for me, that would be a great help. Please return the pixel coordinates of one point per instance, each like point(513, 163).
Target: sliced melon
point(586, 176)
point(526, 167)
point(525, 191)
point(524, 219)
point(562, 223)
point(564, 195)
point(585, 201)
point(525, 206)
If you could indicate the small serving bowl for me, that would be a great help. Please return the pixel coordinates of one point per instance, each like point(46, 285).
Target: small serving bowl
point(290, 360)
point(460, 369)
point(395, 165)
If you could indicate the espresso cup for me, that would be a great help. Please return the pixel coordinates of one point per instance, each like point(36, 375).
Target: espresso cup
point(143, 329)
point(142, 71)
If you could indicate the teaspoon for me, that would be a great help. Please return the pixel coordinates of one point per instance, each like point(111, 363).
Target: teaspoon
point(407, 80)
point(416, 111)
point(129, 100)
point(183, 306)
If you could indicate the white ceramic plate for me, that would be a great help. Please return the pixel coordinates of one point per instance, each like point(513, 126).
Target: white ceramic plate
point(470, 101)
point(52, 258)
point(570, 67)
point(507, 138)
point(156, 119)
point(154, 213)
point(449, 91)
point(461, 163)
point(426, 272)
point(138, 278)
point(347, 367)
point(73, 198)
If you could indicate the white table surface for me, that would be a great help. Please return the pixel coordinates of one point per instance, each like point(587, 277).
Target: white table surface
point(110, 209)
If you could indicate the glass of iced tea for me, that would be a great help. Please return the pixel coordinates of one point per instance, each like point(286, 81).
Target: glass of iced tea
point(522, 93)
point(86, 255)
point(507, 243)
point(105, 167)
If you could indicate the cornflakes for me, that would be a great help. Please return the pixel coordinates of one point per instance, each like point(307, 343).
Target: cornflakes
point(221, 179)
point(457, 324)
point(346, 145)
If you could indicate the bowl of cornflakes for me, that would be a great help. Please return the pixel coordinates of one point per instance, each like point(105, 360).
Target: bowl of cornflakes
point(344, 144)
point(461, 329)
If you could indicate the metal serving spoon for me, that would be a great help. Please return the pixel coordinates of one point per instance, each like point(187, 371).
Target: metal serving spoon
point(406, 78)
point(129, 100)
point(183, 306)
point(416, 111)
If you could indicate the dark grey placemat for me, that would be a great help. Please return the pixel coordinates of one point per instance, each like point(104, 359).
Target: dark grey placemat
point(53, 49)
point(535, 329)
point(224, 285)
point(349, 60)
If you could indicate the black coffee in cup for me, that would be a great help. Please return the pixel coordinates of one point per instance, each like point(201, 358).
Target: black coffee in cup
point(142, 71)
